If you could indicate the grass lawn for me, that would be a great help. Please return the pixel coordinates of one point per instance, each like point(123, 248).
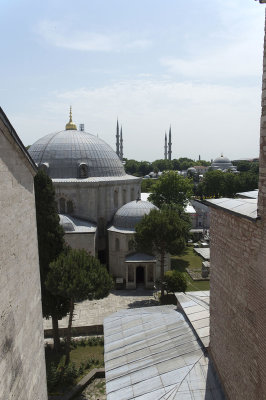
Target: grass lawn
point(189, 259)
point(84, 356)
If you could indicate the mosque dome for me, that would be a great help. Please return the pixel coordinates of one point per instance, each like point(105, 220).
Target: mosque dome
point(222, 163)
point(131, 213)
point(75, 154)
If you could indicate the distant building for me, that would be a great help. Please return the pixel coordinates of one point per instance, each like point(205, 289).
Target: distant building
point(90, 184)
point(224, 164)
point(129, 267)
point(22, 363)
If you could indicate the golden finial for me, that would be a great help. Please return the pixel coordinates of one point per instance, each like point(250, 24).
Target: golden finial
point(70, 126)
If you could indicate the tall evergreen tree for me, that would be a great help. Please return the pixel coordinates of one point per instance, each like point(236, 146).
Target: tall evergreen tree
point(50, 244)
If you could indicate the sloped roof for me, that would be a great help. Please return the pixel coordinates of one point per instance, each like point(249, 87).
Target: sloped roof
point(152, 354)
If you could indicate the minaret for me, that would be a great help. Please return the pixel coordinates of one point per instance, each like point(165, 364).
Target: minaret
point(117, 139)
point(165, 146)
point(121, 144)
point(70, 126)
point(170, 145)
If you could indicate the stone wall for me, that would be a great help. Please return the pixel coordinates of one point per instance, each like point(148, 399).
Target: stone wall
point(22, 364)
point(84, 241)
point(238, 304)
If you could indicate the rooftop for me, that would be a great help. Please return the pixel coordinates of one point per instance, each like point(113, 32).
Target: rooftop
point(153, 354)
point(243, 207)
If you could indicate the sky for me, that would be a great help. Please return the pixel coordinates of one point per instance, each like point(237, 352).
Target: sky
point(194, 65)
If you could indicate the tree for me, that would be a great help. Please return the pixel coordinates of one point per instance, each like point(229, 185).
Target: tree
point(162, 231)
point(213, 184)
point(175, 281)
point(76, 276)
point(171, 188)
point(162, 165)
point(50, 244)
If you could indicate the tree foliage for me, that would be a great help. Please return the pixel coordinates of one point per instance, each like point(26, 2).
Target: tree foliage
point(76, 276)
point(226, 184)
point(175, 281)
point(171, 188)
point(161, 232)
point(50, 245)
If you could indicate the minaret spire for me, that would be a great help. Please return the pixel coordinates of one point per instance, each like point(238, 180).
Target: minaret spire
point(170, 145)
point(165, 146)
point(70, 126)
point(121, 144)
point(117, 139)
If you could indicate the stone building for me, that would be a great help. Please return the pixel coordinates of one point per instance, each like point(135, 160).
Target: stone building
point(90, 184)
point(224, 164)
point(22, 364)
point(133, 269)
point(238, 285)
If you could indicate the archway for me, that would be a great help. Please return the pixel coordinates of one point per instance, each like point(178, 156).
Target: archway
point(140, 275)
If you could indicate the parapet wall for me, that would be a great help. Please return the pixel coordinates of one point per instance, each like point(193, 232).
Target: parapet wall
point(22, 364)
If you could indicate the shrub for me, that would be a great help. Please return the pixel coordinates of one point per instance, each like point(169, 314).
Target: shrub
point(175, 282)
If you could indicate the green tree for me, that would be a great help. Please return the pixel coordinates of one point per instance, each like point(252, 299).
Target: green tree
point(144, 168)
point(213, 184)
point(162, 165)
point(161, 232)
point(171, 188)
point(131, 166)
point(175, 281)
point(77, 276)
point(50, 244)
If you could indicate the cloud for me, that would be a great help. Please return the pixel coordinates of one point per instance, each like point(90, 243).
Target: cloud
point(206, 119)
point(64, 35)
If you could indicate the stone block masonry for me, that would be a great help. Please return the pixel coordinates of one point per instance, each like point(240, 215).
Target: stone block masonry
point(238, 304)
point(22, 363)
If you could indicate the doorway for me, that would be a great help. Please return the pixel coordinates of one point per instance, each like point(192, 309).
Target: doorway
point(140, 275)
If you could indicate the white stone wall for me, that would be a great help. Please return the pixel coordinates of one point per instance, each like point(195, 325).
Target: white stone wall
point(117, 266)
point(84, 241)
point(22, 364)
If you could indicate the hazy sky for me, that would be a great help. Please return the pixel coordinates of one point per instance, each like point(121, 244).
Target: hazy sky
point(196, 65)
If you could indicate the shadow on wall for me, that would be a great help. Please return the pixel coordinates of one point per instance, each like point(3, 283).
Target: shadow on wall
point(13, 381)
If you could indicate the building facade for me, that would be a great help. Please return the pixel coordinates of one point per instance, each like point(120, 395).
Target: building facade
point(90, 183)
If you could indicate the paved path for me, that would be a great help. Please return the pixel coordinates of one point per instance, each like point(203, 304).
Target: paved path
point(93, 312)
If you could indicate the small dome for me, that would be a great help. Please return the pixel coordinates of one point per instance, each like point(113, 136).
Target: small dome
point(131, 213)
point(221, 159)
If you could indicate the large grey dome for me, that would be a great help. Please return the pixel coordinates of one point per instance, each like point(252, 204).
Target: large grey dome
point(131, 213)
point(75, 154)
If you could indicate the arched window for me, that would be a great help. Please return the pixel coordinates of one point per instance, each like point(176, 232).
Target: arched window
point(116, 199)
point(124, 196)
point(69, 207)
point(117, 244)
point(132, 194)
point(83, 171)
point(44, 167)
point(62, 206)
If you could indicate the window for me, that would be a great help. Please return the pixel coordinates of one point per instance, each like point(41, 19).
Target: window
point(116, 199)
point(62, 206)
point(150, 273)
point(117, 244)
point(69, 207)
point(130, 276)
point(124, 196)
point(132, 194)
point(44, 167)
point(83, 171)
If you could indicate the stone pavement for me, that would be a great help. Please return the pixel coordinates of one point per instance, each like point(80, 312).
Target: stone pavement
point(93, 312)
